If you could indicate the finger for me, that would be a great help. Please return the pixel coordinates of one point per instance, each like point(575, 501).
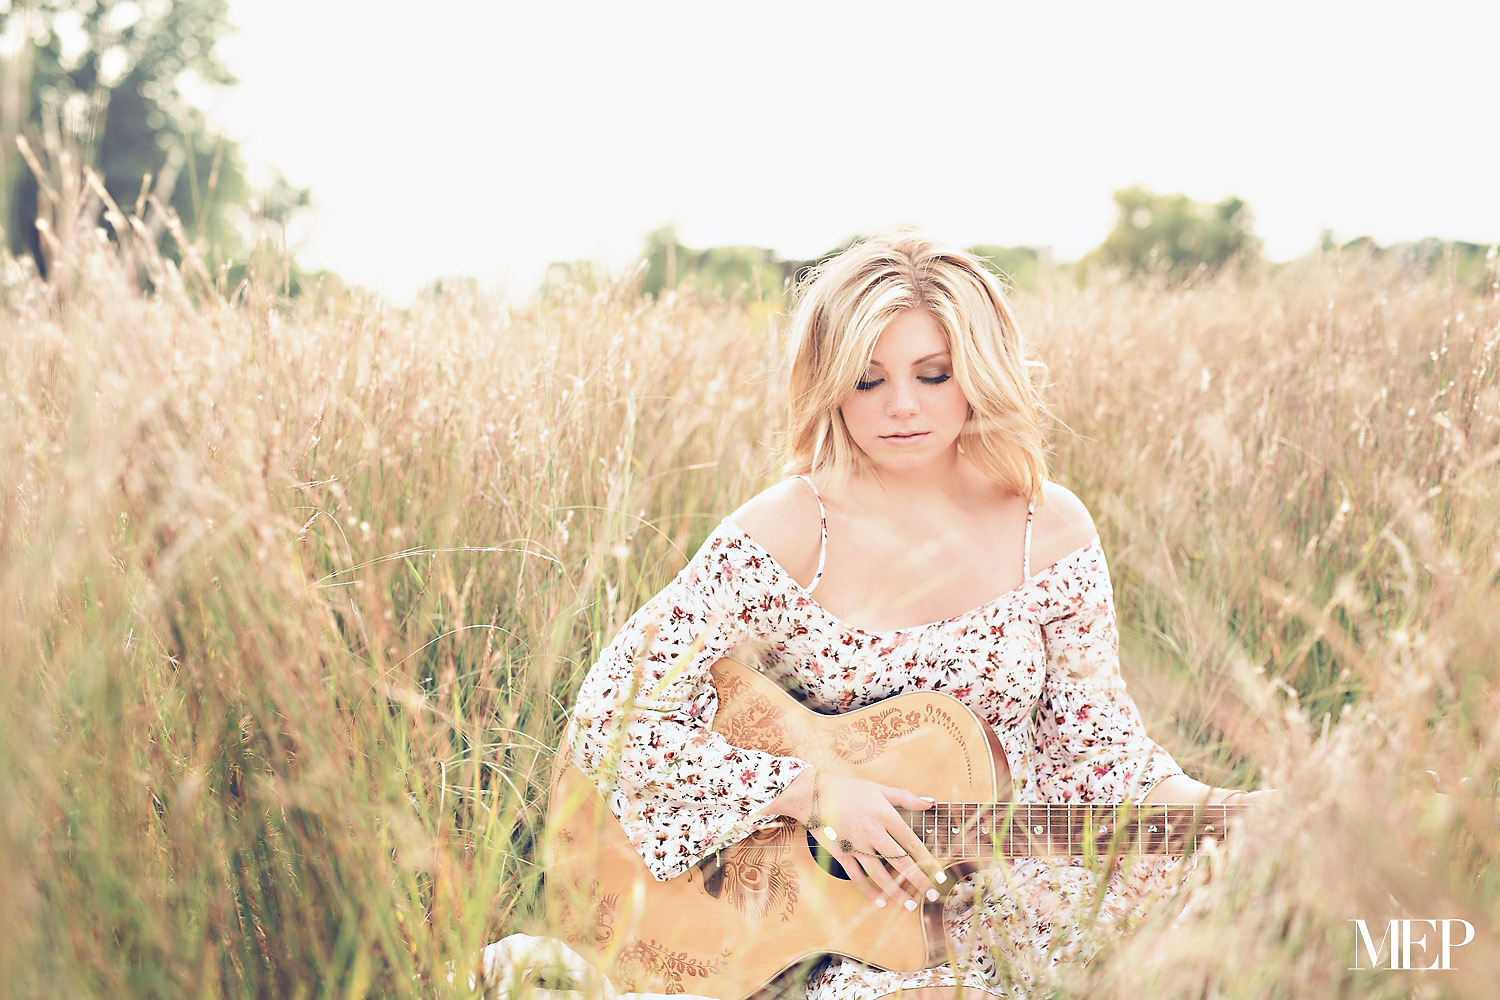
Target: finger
point(852, 869)
point(906, 837)
point(914, 880)
point(903, 799)
point(881, 876)
point(856, 875)
point(912, 845)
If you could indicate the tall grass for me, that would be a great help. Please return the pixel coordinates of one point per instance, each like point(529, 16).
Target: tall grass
point(297, 594)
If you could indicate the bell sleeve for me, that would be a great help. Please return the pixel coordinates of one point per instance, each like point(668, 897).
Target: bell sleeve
point(1091, 742)
point(640, 728)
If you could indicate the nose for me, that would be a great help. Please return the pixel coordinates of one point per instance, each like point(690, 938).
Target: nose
point(902, 401)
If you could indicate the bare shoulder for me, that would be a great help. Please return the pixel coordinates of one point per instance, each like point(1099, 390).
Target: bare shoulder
point(1062, 526)
point(786, 521)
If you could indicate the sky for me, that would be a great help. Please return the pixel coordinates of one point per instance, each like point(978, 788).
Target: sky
point(488, 138)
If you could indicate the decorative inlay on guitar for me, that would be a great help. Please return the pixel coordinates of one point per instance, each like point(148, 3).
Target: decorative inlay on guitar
point(738, 918)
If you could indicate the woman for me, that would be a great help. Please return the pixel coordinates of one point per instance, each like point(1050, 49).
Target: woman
point(920, 495)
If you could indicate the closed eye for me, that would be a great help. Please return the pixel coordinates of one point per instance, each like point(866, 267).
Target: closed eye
point(865, 385)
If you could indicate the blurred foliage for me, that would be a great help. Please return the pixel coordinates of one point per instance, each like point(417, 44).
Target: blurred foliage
point(1017, 266)
point(762, 274)
point(729, 271)
point(1170, 235)
point(1468, 264)
point(117, 87)
point(1174, 233)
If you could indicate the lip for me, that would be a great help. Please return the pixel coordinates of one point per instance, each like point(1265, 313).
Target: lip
point(904, 438)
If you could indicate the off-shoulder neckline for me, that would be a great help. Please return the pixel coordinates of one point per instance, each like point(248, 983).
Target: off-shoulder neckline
point(839, 623)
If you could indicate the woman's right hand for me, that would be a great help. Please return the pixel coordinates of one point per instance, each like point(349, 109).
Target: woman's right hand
point(858, 824)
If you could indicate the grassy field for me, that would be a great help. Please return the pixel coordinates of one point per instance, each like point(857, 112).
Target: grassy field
point(296, 597)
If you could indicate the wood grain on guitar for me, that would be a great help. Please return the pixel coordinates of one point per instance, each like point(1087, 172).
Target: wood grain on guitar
point(737, 919)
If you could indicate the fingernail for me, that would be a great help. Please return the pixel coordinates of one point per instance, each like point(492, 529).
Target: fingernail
point(940, 878)
point(911, 904)
point(880, 902)
point(932, 895)
point(931, 800)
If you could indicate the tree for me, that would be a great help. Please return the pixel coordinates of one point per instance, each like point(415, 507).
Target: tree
point(1469, 264)
point(729, 271)
point(1017, 266)
point(117, 82)
point(1172, 232)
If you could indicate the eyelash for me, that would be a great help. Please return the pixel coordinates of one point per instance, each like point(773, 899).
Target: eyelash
point(934, 380)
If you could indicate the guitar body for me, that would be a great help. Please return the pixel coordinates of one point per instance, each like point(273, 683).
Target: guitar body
point(733, 922)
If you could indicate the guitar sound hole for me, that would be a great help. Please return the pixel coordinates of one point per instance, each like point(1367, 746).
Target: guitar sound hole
point(824, 859)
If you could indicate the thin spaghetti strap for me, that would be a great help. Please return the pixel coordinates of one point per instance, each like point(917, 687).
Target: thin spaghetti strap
point(823, 518)
point(1026, 552)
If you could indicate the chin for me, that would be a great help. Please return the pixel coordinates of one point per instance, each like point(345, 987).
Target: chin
point(912, 461)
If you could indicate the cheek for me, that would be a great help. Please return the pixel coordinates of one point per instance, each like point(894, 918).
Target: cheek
point(857, 412)
point(955, 402)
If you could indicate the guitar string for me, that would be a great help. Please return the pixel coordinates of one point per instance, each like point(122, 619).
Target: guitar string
point(1064, 828)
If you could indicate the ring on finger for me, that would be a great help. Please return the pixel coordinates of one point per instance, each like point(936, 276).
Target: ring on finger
point(847, 846)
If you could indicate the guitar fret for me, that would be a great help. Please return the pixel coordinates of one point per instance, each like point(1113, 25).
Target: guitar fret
point(963, 830)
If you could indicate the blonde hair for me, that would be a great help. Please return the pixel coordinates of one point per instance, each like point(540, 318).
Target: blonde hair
point(843, 307)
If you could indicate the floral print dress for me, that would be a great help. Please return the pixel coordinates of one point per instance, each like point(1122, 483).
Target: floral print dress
point(1039, 663)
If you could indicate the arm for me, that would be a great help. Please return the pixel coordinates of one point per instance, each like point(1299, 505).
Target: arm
point(1179, 788)
point(1091, 731)
point(640, 726)
point(1091, 742)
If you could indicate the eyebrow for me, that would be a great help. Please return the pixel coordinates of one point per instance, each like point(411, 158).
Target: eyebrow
point(926, 357)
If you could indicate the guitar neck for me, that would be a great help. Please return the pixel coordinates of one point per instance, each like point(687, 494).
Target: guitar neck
point(959, 830)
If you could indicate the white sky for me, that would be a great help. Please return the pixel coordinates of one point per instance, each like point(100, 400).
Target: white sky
point(486, 137)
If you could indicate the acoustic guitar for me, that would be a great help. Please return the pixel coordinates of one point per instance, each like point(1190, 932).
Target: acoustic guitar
point(737, 919)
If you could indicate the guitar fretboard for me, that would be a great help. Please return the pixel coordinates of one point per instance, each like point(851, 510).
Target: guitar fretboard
point(960, 830)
